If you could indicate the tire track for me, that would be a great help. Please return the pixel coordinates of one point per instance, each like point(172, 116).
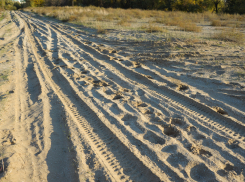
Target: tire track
point(110, 156)
point(15, 35)
point(166, 168)
point(209, 117)
point(202, 113)
point(27, 122)
point(198, 116)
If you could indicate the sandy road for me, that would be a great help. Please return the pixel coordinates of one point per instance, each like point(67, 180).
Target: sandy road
point(85, 112)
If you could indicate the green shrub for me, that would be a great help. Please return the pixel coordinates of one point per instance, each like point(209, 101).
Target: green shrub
point(18, 5)
point(10, 7)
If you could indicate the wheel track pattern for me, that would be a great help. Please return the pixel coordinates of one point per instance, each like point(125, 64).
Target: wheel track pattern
point(207, 115)
point(23, 125)
point(106, 156)
point(201, 111)
point(16, 35)
point(198, 115)
point(167, 168)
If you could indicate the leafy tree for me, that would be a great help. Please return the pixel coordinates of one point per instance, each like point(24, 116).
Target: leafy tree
point(3, 3)
point(231, 6)
point(235, 6)
point(216, 3)
point(38, 3)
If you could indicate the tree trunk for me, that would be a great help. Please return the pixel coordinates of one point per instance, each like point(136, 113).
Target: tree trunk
point(216, 7)
point(114, 3)
point(128, 4)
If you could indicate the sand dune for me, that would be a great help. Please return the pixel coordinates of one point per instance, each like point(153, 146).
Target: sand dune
point(88, 109)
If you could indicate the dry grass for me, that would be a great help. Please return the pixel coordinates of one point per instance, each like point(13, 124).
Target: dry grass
point(231, 35)
point(149, 20)
point(227, 23)
point(101, 30)
point(216, 23)
point(226, 20)
point(190, 27)
point(103, 14)
point(124, 22)
point(153, 28)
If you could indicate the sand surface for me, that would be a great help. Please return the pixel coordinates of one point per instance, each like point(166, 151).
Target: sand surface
point(77, 107)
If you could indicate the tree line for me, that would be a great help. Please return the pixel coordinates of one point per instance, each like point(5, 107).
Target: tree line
point(10, 4)
point(223, 6)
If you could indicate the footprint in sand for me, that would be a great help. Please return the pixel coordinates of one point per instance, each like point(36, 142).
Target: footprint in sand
point(131, 121)
point(177, 121)
point(117, 96)
point(127, 63)
point(99, 83)
point(136, 64)
point(232, 144)
point(121, 89)
point(153, 138)
point(140, 92)
point(6, 137)
point(83, 83)
point(230, 170)
point(182, 87)
point(139, 104)
point(200, 172)
point(115, 109)
point(197, 150)
point(170, 149)
point(105, 51)
point(147, 110)
point(191, 130)
point(108, 91)
point(177, 159)
point(170, 131)
point(76, 76)
point(153, 127)
point(84, 72)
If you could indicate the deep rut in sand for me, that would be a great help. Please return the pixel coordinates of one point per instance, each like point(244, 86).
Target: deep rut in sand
point(84, 112)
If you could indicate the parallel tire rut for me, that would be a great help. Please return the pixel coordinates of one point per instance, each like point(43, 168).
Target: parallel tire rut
point(115, 157)
point(129, 121)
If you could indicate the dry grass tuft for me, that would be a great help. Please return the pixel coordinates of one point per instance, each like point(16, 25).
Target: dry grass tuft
point(190, 27)
point(148, 20)
point(216, 23)
point(231, 35)
point(124, 22)
point(72, 18)
point(101, 30)
point(154, 28)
